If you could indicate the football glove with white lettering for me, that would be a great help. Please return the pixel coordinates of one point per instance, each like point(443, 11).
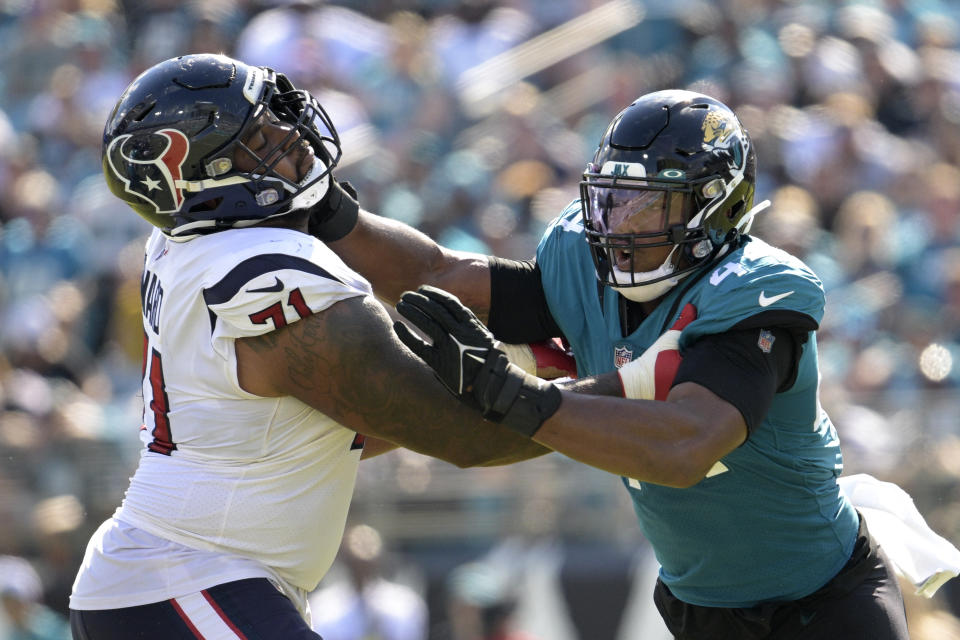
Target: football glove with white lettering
point(464, 358)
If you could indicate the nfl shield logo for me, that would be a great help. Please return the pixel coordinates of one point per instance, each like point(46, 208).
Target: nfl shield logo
point(766, 341)
point(621, 356)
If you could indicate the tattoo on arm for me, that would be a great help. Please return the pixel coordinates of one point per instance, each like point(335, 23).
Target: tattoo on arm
point(346, 362)
point(304, 360)
point(263, 344)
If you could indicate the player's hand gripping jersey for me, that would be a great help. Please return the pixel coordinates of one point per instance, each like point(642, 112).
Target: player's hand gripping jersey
point(223, 470)
point(772, 499)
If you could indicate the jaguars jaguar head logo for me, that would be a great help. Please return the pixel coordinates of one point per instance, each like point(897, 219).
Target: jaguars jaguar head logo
point(717, 128)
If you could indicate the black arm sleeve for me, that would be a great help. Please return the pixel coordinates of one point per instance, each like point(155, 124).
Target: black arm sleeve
point(518, 304)
point(745, 367)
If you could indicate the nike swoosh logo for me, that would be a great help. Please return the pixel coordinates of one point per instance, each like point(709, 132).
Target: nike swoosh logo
point(276, 286)
point(764, 301)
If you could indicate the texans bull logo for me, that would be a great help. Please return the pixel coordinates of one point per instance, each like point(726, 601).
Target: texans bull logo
point(150, 166)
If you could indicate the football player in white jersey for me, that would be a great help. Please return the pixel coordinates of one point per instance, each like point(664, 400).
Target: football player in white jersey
point(269, 369)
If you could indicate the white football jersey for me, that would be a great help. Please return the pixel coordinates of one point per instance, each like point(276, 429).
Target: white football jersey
point(222, 470)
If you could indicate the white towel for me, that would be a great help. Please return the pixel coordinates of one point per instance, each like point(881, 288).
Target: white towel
point(926, 559)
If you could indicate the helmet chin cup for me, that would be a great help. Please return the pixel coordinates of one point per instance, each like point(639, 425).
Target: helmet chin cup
point(652, 284)
point(647, 292)
point(315, 192)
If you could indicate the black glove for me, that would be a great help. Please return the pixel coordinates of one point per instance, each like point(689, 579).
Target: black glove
point(465, 360)
point(336, 214)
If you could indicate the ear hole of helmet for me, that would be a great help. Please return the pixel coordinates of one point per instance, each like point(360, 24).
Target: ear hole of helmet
point(735, 210)
point(207, 205)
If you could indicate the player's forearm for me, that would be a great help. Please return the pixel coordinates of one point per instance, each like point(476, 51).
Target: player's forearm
point(395, 258)
point(516, 452)
point(346, 362)
point(588, 429)
point(373, 447)
point(413, 409)
point(435, 424)
point(668, 443)
point(607, 384)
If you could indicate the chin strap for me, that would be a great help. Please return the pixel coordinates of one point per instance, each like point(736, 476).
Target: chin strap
point(747, 220)
point(336, 214)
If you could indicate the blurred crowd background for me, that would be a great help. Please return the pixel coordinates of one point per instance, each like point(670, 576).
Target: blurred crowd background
point(473, 120)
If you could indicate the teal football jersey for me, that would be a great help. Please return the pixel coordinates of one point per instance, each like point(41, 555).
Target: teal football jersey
point(769, 521)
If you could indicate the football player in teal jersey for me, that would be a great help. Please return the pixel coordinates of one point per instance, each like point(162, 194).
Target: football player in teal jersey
point(728, 457)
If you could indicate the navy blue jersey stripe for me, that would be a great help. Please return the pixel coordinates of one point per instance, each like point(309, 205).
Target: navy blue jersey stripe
point(249, 269)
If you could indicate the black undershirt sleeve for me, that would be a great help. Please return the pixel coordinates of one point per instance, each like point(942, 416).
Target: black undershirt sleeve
point(518, 304)
point(744, 366)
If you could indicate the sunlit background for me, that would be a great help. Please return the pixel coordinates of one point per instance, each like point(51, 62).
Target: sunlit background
point(472, 120)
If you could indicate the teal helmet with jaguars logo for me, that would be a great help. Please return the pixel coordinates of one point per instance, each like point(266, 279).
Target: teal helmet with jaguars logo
point(170, 143)
point(668, 149)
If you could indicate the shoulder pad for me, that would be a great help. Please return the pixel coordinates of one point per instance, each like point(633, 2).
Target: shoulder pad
point(755, 279)
point(268, 291)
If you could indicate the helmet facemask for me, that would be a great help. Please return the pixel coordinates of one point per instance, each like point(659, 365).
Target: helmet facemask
point(625, 217)
point(177, 147)
point(311, 142)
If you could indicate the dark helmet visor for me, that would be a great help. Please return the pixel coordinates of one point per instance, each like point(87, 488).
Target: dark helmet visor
point(641, 212)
